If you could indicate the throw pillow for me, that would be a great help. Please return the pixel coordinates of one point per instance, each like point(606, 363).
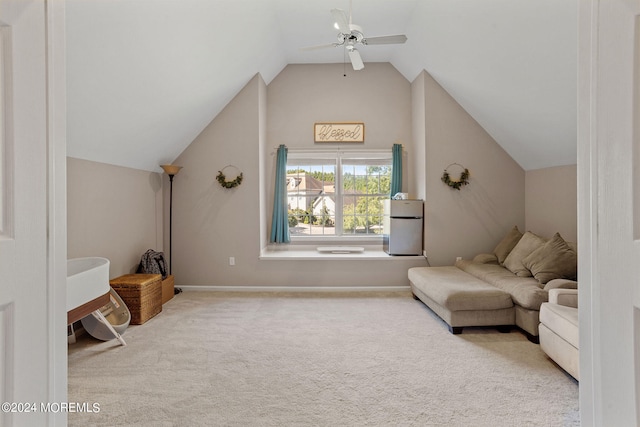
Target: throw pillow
point(527, 244)
point(485, 259)
point(507, 244)
point(554, 260)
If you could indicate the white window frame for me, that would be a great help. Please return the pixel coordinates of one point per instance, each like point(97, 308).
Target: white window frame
point(337, 155)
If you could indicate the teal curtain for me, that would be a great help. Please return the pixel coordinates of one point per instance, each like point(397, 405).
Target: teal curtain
point(396, 170)
point(280, 222)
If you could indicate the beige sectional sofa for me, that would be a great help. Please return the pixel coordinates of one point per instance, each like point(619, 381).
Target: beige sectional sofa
point(501, 289)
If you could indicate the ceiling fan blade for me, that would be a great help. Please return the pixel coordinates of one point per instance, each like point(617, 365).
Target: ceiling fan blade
point(341, 21)
point(356, 60)
point(320, 46)
point(397, 39)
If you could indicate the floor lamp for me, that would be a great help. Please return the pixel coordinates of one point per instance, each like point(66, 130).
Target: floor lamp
point(172, 171)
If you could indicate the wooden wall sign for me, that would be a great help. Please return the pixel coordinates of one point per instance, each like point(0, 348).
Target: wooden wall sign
point(338, 132)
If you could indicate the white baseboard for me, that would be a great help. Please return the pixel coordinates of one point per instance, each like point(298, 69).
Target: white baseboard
point(296, 288)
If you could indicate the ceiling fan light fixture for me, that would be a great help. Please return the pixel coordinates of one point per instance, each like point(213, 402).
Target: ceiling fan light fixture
point(350, 35)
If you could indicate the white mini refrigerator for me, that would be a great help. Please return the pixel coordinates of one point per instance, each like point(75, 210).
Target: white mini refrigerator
point(402, 227)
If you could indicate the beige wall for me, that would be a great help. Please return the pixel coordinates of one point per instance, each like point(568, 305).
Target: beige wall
point(116, 212)
point(304, 94)
point(212, 224)
point(263, 156)
point(474, 219)
point(551, 203)
point(416, 166)
point(112, 212)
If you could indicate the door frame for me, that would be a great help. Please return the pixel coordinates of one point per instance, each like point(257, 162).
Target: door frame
point(33, 356)
point(57, 205)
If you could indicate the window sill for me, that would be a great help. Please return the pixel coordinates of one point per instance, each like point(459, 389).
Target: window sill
point(310, 253)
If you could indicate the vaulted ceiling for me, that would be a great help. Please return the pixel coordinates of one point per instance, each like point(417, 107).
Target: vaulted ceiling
point(146, 76)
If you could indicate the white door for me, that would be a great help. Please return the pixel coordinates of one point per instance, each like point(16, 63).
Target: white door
point(32, 224)
point(609, 211)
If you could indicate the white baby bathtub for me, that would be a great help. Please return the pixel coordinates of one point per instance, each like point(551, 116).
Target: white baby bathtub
point(88, 289)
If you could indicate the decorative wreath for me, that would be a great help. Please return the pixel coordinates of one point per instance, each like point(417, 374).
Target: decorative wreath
point(222, 179)
point(463, 180)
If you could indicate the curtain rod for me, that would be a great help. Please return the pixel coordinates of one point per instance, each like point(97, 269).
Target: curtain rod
point(334, 149)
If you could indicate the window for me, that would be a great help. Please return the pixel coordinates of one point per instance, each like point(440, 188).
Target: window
point(337, 193)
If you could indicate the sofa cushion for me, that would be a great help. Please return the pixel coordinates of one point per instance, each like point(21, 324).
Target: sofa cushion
point(562, 320)
point(456, 290)
point(485, 259)
point(507, 244)
point(526, 292)
point(553, 260)
point(527, 244)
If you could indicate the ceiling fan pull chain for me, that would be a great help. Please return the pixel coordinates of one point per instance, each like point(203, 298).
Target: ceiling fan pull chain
point(344, 62)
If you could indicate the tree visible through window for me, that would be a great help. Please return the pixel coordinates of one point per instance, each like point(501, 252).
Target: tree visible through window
point(338, 193)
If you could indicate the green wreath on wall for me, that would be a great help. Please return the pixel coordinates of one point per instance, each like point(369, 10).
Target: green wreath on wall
point(222, 179)
point(456, 183)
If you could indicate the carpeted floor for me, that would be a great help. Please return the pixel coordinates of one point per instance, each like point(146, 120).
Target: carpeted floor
point(248, 359)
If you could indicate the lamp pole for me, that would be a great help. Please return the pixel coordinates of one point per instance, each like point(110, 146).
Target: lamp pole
point(170, 218)
point(172, 171)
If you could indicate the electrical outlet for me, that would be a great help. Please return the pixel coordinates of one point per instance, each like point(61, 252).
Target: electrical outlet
point(232, 260)
point(458, 258)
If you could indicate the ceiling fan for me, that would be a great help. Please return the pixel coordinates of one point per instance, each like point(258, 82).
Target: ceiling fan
point(350, 35)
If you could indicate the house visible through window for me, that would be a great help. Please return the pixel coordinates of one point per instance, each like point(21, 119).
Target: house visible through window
point(337, 193)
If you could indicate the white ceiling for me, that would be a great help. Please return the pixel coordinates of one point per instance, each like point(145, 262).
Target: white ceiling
point(146, 76)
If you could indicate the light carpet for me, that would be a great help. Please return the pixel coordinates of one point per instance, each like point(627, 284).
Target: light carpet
point(359, 359)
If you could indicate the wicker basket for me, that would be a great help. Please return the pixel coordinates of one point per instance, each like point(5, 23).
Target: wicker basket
point(167, 289)
point(142, 293)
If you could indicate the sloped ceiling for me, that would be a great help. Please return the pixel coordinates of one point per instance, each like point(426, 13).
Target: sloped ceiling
point(146, 76)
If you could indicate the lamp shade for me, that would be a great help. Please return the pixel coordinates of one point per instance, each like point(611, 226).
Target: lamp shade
point(171, 169)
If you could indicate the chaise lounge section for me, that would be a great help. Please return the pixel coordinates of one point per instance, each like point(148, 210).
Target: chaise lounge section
point(461, 299)
point(501, 289)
